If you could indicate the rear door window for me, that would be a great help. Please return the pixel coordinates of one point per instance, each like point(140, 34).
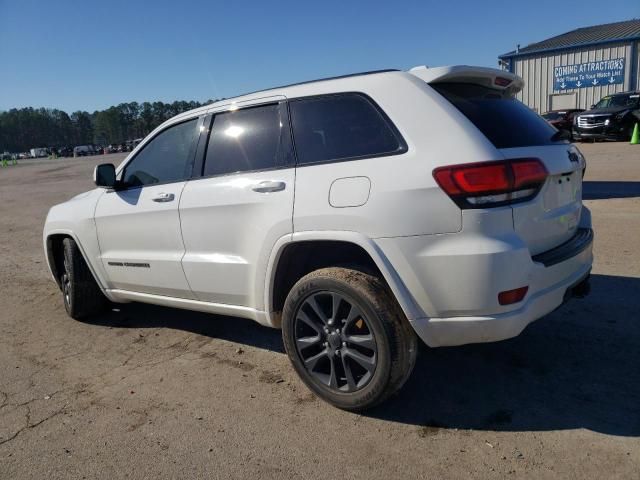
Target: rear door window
point(255, 138)
point(505, 121)
point(341, 127)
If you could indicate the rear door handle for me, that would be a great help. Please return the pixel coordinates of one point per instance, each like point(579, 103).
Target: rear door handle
point(268, 186)
point(164, 197)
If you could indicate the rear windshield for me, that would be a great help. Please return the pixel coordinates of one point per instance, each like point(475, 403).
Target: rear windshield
point(553, 116)
point(505, 121)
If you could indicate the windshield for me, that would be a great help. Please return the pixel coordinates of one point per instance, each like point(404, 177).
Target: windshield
point(630, 101)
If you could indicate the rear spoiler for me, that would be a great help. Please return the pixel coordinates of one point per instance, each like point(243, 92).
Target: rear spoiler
point(489, 77)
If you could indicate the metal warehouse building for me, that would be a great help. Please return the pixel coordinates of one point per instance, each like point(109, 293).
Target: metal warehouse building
point(578, 68)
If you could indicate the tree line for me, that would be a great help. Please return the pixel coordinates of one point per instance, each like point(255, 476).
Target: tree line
point(25, 128)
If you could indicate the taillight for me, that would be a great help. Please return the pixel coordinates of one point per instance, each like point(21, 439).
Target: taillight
point(489, 184)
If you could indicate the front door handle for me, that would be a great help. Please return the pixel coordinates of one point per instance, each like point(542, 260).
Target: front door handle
point(164, 197)
point(268, 186)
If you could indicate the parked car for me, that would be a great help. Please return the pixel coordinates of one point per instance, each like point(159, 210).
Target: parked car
point(65, 152)
point(82, 150)
point(562, 119)
point(429, 203)
point(612, 118)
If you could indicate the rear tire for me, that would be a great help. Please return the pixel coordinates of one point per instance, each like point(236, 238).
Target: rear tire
point(347, 337)
point(81, 294)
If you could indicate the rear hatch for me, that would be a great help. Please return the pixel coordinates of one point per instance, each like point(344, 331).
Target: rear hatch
point(550, 217)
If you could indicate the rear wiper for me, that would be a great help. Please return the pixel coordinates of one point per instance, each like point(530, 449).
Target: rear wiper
point(560, 135)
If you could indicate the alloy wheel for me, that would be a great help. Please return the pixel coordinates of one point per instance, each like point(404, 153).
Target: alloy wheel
point(335, 341)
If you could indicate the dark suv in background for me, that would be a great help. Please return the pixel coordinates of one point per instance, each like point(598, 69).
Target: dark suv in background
point(562, 119)
point(612, 118)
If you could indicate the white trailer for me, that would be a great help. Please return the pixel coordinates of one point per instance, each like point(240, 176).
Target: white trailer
point(39, 152)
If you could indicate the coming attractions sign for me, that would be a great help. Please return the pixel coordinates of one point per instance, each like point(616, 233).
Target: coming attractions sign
point(589, 74)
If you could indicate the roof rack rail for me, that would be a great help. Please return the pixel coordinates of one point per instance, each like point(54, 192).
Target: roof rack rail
point(371, 72)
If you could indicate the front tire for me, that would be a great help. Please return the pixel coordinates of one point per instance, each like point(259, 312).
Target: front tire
point(629, 133)
point(347, 337)
point(81, 294)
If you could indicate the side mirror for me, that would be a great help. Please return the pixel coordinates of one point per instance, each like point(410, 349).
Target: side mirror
point(592, 106)
point(104, 175)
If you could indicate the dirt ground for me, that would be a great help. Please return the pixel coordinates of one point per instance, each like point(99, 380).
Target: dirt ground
point(150, 392)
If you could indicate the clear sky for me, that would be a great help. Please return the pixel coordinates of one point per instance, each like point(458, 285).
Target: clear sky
point(89, 54)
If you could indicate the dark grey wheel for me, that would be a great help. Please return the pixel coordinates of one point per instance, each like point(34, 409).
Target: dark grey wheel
point(335, 341)
point(347, 337)
point(81, 294)
point(65, 282)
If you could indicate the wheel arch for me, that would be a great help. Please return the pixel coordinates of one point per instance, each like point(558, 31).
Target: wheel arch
point(53, 244)
point(282, 272)
point(54, 249)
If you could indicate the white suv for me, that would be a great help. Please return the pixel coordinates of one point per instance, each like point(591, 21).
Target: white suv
point(353, 212)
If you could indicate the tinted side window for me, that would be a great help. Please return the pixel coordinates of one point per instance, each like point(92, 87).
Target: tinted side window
point(505, 121)
point(166, 158)
point(338, 127)
point(254, 138)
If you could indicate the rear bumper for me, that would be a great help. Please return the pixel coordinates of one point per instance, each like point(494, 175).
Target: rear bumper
point(441, 332)
point(456, 279)
point(580, 241)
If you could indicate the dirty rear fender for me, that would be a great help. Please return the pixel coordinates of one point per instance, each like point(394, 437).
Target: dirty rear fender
point(265, 283)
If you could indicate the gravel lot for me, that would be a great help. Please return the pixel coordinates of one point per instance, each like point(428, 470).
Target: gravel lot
point(150, 392)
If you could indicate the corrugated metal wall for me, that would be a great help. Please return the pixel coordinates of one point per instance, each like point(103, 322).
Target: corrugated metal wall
point(537, 72)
